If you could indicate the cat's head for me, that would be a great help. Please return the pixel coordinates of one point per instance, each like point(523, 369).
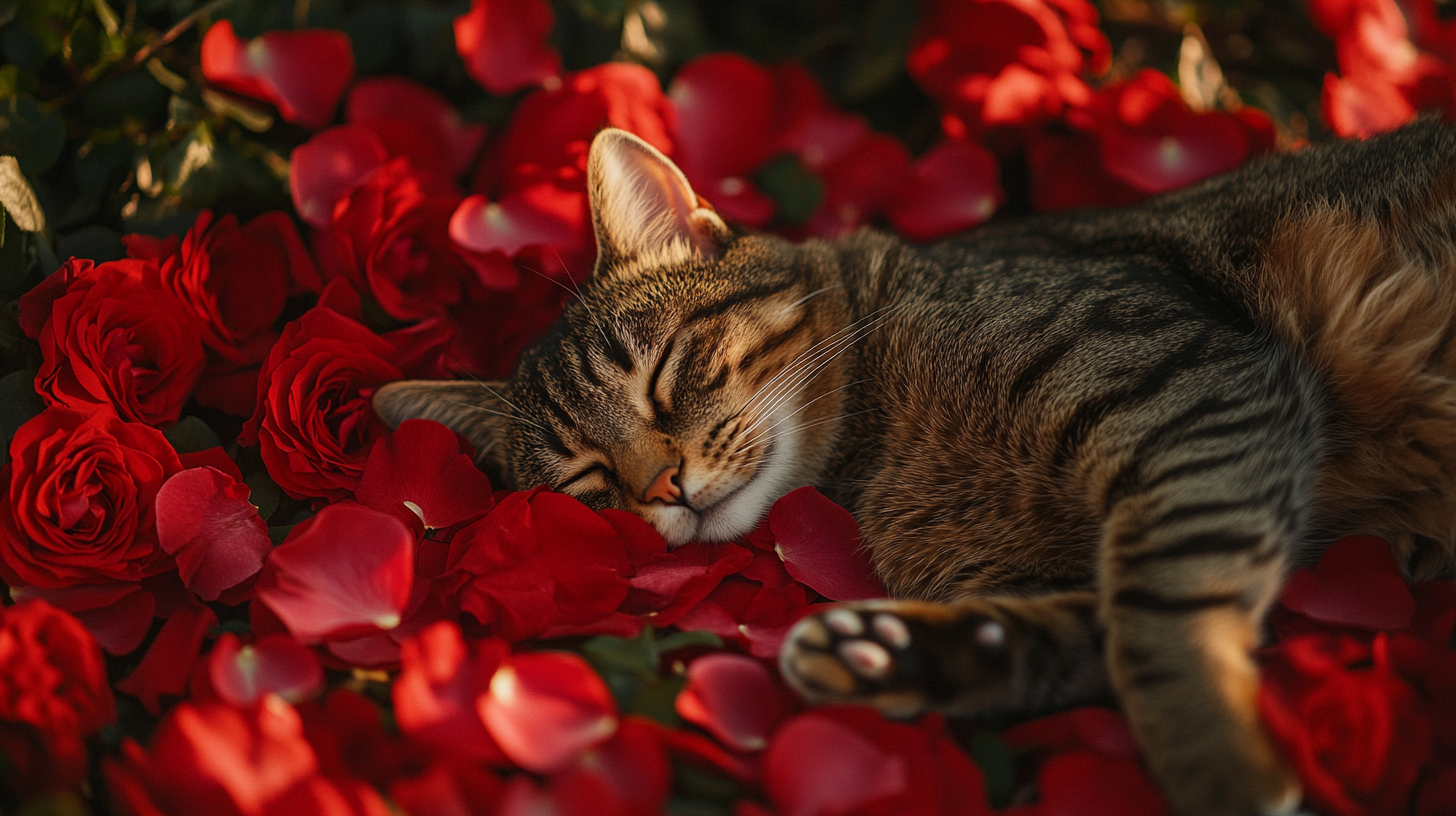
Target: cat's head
point(693, 382)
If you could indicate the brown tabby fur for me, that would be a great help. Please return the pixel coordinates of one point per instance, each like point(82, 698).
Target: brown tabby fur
point(1084, 450)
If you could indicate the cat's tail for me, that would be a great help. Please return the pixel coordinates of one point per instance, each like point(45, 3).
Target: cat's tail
point(1371, 303)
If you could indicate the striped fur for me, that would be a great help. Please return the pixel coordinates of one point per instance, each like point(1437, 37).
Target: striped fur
point(1084, 450)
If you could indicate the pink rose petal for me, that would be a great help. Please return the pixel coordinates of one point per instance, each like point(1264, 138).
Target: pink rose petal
point(820, 545)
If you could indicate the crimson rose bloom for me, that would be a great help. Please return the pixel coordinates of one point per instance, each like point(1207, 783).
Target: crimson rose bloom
point(390, 238)
point(313, 423)
point(79, 510)
point(1356, 734)
point(235, 279)
point(113, 337)
point(54, 695)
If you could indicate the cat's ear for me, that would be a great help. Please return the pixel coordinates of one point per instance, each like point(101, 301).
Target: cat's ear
point(644, 211)
point(475, 410)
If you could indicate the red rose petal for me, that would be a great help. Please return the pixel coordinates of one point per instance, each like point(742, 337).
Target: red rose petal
point(544, 709)
point(539, 214)
point(820, 545)
point(436, 694)
point(342, 574)
point(1081, 783)
point(168, 662)
point(302, 73)
point(424, 470)
point(503, 43)
point(726, 122)
point(1099, 729)
point(117, 615)
point(204, 519)
point(818, 765)
point(323, 171)
point(735, 698)
point(416, 121)
point(273, 664)
point(953, 187)
point(1356, 583)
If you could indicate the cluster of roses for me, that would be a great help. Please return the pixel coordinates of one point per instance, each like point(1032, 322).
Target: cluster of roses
point(1014, 74)
point(373, 651)
point(1395, 59)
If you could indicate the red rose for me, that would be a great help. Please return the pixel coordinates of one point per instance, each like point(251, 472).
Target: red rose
point(235, 279)
point(390, 238)
point(998, 63)
point(80, 504)
point(210, 757)
point(1353, 728)
point(114, 338)
point(54, 695)
point(313, 423)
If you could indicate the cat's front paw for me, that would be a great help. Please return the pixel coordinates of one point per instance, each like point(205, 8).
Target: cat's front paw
point(899, 657)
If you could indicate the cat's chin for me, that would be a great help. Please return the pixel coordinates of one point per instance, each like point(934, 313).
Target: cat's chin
point(739, 512)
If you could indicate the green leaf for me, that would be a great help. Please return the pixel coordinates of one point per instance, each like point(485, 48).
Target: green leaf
point(792, 186)
point(35, 138)
point(18, 404)
point(694, 783)
point(997, 763)
point(277, 534)
point(266, 495)
point(191, 435)
point(614, 655)
point(697, 637)
point(657, 700)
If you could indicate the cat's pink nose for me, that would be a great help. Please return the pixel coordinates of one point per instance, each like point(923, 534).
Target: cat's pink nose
point(665, 487)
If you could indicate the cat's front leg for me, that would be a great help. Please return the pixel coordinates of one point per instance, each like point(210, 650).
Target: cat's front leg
point(978, 656)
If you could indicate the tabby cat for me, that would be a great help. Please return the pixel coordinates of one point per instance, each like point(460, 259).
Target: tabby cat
point(1084, 449)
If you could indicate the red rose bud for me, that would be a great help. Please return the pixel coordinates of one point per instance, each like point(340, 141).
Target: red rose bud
point(302, 73)
point(539, 565)
point(1353, 729)
point(342, 574)
point(545, 708)
point(503, 43)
